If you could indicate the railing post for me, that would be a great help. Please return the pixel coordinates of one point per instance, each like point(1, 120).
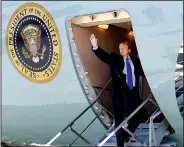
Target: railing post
point(124, 122)
point(72, 122)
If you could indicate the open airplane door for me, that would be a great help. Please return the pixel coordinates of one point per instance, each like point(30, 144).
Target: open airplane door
point(159, 72)
point(111, 28)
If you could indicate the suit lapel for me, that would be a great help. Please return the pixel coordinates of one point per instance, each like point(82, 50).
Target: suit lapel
point(120, 63)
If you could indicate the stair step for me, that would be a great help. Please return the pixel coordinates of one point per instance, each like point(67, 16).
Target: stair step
point(139, 131)
point(164, 143)
point(146, 126)
point(142, 133)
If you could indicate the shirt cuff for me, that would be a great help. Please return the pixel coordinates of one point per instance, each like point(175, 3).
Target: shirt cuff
point(95, 48)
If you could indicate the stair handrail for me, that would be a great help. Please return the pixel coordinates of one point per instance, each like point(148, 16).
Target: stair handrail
point(73, 121)
point(125, 121)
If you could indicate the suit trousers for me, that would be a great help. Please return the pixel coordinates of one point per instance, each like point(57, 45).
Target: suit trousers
point(123, 107)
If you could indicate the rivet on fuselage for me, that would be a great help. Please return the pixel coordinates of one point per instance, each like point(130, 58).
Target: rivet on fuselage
point(87, 92)
point(108, 124)
point(75, 53)
point(69, 28)
point(91, 98)
point(96, 107)
point(102, 116)
point(73, 39)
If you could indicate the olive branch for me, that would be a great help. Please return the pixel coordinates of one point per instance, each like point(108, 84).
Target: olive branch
point(43, 52)
point(26, 54)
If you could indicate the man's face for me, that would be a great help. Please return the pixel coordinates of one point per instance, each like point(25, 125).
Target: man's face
point(124, 50)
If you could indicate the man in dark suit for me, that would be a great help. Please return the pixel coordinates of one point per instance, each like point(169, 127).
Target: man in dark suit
point(125, 72)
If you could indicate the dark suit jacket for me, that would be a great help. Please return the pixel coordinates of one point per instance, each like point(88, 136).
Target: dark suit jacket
point(124, 101)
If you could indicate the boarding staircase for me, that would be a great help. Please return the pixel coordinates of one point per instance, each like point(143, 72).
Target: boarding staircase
point(146, 134)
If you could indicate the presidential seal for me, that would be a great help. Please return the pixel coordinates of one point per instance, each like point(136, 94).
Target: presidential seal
point(33, 43)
